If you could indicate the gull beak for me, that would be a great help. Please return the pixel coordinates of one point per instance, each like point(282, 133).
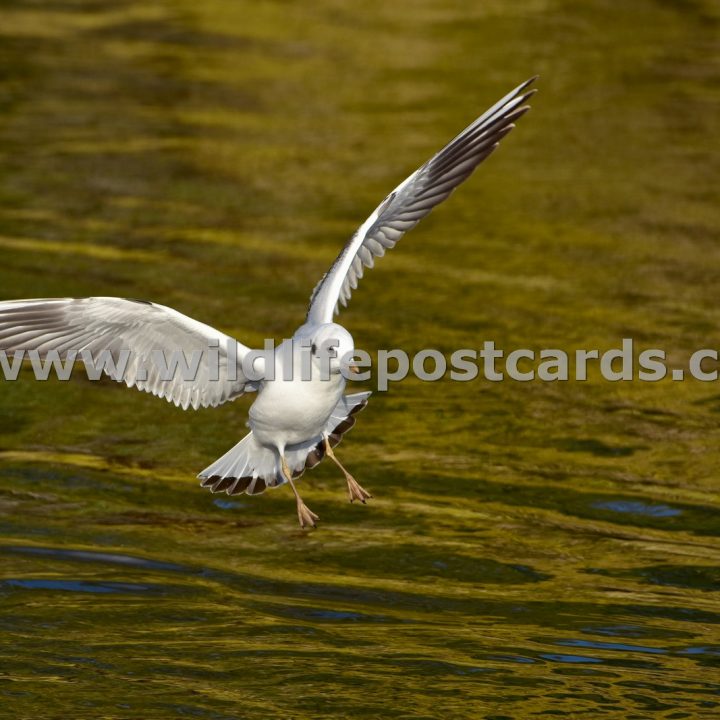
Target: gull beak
point(354, 369)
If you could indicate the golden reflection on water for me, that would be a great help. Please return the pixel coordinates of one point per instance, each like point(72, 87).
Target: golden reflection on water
point(532, 550)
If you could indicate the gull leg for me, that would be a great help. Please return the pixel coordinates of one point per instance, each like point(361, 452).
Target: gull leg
point(305, 515)
point(355, 490)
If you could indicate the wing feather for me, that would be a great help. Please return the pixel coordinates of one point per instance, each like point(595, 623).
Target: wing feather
point(413, 199)
point(100, 324)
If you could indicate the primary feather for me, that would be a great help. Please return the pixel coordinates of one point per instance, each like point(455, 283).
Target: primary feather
point(100, 324)
point(413, 199)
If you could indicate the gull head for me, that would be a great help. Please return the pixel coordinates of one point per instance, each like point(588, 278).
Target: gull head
point(329, 342)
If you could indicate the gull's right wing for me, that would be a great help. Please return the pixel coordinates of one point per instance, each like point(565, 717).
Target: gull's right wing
point(114, 325)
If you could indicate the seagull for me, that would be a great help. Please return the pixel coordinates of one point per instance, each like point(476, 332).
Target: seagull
point(295, 422)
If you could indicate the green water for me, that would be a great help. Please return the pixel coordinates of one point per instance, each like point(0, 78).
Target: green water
point(533, 549)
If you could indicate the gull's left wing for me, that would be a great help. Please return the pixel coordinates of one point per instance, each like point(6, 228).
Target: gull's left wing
point(413, 199)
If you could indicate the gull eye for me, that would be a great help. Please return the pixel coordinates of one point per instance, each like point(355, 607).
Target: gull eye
point(313, 349)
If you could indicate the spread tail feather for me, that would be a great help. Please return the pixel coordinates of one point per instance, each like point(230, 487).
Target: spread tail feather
point(248, 467)
point(251, 468)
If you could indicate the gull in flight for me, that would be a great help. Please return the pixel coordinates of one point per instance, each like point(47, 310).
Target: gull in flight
point(295, 421)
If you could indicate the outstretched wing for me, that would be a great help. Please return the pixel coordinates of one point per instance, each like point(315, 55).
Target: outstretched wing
point(413, 199)
point(137, 329)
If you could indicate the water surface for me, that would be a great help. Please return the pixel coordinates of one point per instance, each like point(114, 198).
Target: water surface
point(533, 550)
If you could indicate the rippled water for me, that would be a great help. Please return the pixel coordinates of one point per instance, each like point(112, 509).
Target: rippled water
point(533, 550)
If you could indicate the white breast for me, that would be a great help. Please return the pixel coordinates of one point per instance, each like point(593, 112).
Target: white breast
point(289, 411)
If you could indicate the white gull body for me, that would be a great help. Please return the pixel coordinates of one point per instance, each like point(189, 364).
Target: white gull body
point(295, 421)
